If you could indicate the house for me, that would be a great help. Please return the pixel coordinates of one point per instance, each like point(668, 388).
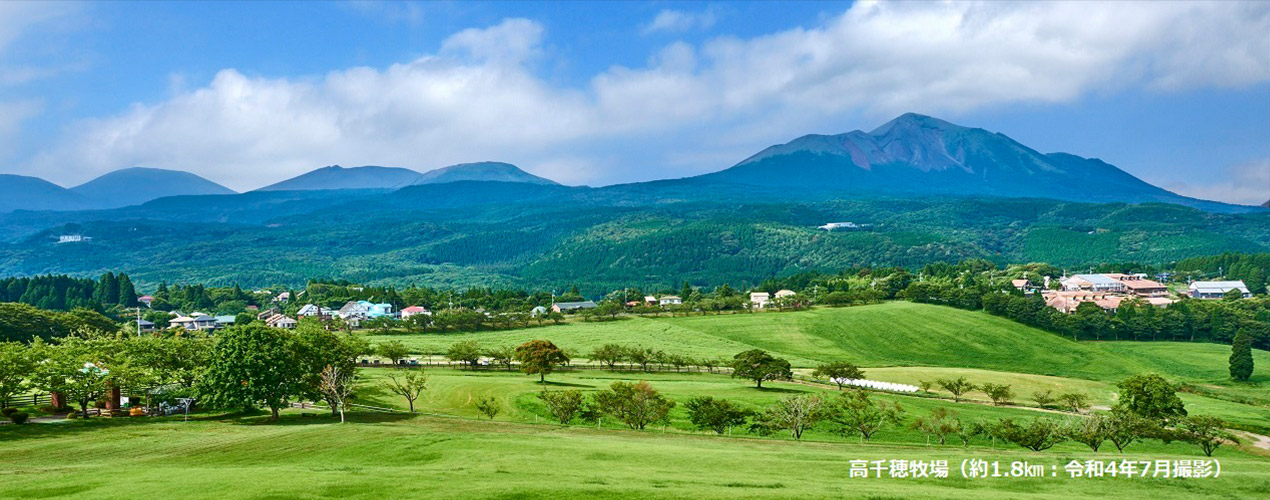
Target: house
point(784, 292)
point(1093, 283)
point(283, 297)
point(537, 311)
point(253, 308)
point(312, 311)
point(145, 326)
point(353, 310)
point(204, 322)
point(376, 310)
point(759, 299)
point(1021, 285)
point(1216, 289)
point(633, 303)
point(561, 307)
point(280, 321)
point(650, 300)
point(268, 313)
point(414, 311)
point(225, 321)
point(181, 321)
point(670, 300)
point(145, 299)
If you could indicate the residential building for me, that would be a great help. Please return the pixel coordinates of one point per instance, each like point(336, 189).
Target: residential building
point(1216, 289)
point(782, 293)
point(312, 311)
point(670, 300)
point(145, 299)
point(280, 321)
point(759, 299)
point(561, 307)
point(225, 321)
point(414, 311)
point(650, 300)
point(145, 326)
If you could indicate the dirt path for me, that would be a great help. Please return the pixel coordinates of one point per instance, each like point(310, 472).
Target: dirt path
point(1255, 440)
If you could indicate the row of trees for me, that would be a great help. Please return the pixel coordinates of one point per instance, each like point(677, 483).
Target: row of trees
point(240, 368)
point(63, 293)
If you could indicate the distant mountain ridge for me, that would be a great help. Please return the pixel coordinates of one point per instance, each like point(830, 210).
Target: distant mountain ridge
point(391, 178)
point(920, 155)
point(137, 185)
point(129, 186)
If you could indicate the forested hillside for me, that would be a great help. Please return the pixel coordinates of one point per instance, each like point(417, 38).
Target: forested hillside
point(539, 237)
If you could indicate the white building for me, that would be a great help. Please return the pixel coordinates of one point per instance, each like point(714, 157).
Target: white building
point(1216, 289)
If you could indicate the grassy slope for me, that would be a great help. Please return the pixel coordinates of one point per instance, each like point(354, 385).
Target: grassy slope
point(394, 457)
point(890, 334)
point(932, 341)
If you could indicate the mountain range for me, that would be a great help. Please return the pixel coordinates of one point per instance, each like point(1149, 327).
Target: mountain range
point(129, 186)
point(373, 177)
point(925, 189)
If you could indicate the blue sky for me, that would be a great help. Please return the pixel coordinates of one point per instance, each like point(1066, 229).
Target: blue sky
point(596, 93)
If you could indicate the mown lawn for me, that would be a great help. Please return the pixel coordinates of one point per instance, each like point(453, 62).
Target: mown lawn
point(396, 456)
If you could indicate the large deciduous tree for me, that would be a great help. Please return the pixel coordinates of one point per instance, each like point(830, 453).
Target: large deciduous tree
point(408, 383)
point(540, 357)
point(15, 366)
point(795, 414)
point(252, 365)
point(857, 413)
point(1152, 397)
point(758, 365)
point(838, 372)
point(717, 415)
point(636, 404)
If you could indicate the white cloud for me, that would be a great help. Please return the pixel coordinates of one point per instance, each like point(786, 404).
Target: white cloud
point(669, 20)
point(1245, 184)
point(479, 97)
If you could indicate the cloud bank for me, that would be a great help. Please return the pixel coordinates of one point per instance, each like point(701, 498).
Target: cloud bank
point(690, 109)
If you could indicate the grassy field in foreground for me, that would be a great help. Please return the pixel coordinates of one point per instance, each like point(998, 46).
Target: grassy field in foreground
point(396, 456)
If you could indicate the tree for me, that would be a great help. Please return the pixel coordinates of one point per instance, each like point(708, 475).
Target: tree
point(408, 383)
point(938, 424)
point(73, 369)
point(795, 414)
point(636, 404)
point(15, 365)
point(1241, 356)
point(1043, 398)
point(488, 406)
point(540, 357)
point(1091, 431)
point(564, 405)
point(856, 413)
point(467, 351)
point(1205, 431)
point(609, 355)
point(1001, 394)
point(838, 372)
point(503, 355)
point(318, 348)
point(717, 415)
point(251, 365)
point(392, 350)
point(1152, 397)
point(957, 386)
point(758, 365)
point(925, 385)
point(337, 386)
point(641, 356)
point(1038, 435)
point(1075, 401)
point(1124, 427)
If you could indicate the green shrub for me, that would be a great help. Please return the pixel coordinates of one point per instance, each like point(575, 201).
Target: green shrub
point(72, 415)
point(18, 417)
point(8, 411)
